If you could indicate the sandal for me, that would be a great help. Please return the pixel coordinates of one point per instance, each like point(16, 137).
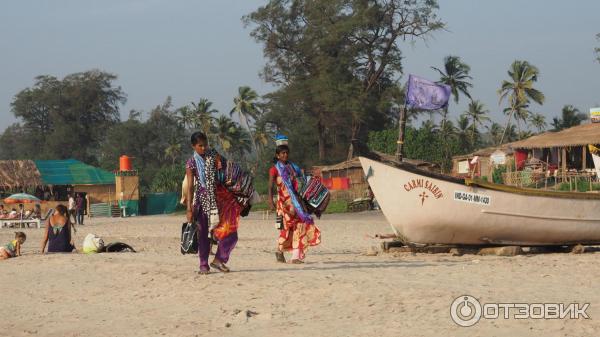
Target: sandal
point(280, 257)
point(203, 271)
point(296, 261)
point(220, 266)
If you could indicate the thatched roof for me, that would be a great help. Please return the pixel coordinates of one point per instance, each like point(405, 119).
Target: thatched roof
point(486, 152)
point(355, 163)
point(576, 136)
point(19, 173)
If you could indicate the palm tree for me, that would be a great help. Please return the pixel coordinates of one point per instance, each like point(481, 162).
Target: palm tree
point(571, 116)
point(203, 115)
point(185, 117)
point(462, 132)
point(245, 107)
point(261, 136)
point(455, 75)
point(597, 49)
point(525, 134)
point(495, 131)
point(173, 151)
point(511, 134)
point(224, 131)
point(477, 113)
point(519, 90)
point(521, 113)
point(241, 141)
point(538, 121)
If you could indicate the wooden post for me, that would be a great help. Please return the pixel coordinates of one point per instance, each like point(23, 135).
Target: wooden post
point(584, 157)
point(401, 129)
point(564, 161)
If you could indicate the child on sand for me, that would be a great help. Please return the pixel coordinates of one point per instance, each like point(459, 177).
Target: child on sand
point(13, 248)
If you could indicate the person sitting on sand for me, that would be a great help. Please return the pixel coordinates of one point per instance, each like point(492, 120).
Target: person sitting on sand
point(13, 248)
point(3, 212)
point(58, 232)
point(13, 214)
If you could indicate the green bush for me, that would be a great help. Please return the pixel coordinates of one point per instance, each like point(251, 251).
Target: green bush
point(497, 174)
point(168, 179)
point(579, 186)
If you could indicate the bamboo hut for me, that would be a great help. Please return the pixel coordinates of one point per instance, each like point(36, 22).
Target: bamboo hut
point(566, 150)
point(347, 181)
point(481, 162)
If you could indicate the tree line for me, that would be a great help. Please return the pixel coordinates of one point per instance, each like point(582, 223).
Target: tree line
point(78, 117)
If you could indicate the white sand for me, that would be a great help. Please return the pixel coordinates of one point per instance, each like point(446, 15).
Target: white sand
point(338, 292)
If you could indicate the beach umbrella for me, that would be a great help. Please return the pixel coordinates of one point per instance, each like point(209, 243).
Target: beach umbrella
point(21, 198)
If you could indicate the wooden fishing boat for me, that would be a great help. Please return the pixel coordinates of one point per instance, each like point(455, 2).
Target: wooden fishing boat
point(428, 208)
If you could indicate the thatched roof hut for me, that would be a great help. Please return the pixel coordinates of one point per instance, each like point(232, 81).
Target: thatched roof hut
point(580, 135)
point(19, 173)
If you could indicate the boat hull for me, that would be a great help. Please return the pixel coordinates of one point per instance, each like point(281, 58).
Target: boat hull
point(426, 209)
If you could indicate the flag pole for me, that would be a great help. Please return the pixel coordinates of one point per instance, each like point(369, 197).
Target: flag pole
point(401, 131)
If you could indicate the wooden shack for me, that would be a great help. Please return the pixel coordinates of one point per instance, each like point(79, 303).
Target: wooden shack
point(353, 182)
point(481, 162)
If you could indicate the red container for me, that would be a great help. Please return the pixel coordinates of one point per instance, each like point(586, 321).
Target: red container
point(125, 163)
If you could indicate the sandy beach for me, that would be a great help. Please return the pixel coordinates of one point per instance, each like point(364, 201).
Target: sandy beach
point(340, 291)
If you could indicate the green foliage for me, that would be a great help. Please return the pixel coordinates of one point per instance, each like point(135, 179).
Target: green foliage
point(519, 91)
point(335, 63)
point(61, 119)
point(426, 143)
point(571, 116)
point(337, 206)
point(168, 179)
point(579, 185)
point(497, 174)
point(385, 140)
point(159, 142)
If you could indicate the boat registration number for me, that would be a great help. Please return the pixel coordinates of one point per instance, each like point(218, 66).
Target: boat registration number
point(472, 198)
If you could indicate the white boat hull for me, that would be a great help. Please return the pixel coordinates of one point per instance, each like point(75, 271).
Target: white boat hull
point(430, 210)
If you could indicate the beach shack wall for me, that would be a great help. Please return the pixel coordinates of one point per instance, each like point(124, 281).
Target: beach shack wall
point(347, 181)
point(481, 163)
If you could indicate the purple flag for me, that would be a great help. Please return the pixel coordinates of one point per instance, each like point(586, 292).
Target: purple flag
point(426, 95)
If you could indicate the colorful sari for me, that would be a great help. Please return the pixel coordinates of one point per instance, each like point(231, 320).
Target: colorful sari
point(226, 230)
point(297, 234)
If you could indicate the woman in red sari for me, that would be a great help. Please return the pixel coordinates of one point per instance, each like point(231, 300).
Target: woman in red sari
point(297, 228)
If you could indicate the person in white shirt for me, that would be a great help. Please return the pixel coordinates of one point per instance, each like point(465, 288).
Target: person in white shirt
point(72, 207)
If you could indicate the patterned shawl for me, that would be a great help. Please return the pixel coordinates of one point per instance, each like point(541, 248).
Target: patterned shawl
point(206, 174)
point(286, 172)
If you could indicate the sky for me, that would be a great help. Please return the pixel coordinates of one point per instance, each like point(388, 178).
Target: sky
point(190, 49)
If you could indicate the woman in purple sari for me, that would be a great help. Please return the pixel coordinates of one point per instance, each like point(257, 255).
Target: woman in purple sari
point(201, 169)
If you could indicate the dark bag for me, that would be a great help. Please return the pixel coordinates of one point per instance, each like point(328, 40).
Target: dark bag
point(118, 247)
point(189, 238)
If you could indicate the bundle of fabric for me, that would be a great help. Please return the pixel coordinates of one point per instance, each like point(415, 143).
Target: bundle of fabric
point(238, 182)
point(315, 194)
